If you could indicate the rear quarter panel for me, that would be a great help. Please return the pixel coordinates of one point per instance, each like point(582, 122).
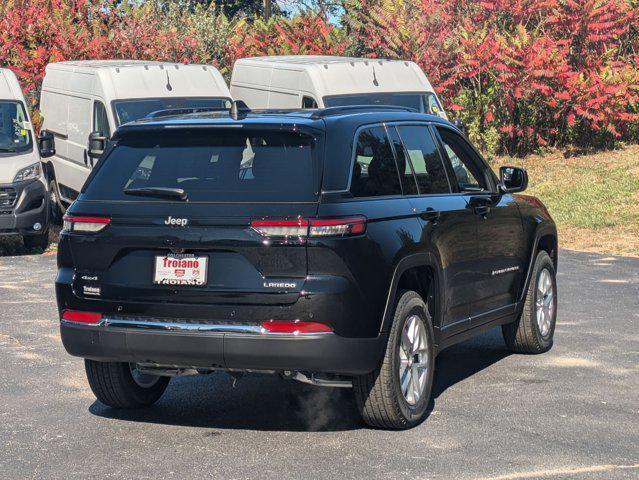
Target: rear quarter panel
point(366, 262)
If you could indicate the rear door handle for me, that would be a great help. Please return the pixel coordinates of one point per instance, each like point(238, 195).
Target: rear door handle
point(430, 214)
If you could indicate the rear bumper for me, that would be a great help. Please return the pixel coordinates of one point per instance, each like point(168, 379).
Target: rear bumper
point(224, 347)
point(30, 207)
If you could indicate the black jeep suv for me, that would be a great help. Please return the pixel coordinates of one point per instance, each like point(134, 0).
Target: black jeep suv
point(339, 247)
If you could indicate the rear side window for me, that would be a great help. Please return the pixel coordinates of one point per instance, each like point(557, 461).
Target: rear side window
point(374, 169)
point(215, 165)
point(403, 165)
point(424, 157)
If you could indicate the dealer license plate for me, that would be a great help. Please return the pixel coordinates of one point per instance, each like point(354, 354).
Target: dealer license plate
point(180, 269)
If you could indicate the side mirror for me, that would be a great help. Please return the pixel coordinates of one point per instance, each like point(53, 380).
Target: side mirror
point(97, 144)
point(459, 123)
point(513, 179)
point(46, 144)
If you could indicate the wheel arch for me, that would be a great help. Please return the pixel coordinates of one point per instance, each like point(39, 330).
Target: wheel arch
point(548, 243)
point(422, 273)
point(546, 240)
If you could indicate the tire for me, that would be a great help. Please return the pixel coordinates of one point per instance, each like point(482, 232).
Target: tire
point(113, 384)
point(41, 241)
point(527, 335)
point(379, 395)
point(56, 209)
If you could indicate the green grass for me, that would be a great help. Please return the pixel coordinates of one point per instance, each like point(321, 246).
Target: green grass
point(593, 198)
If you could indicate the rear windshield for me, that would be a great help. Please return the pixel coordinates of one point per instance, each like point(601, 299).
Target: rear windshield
point(212, 165)
point(422, 102)
point(130, 110)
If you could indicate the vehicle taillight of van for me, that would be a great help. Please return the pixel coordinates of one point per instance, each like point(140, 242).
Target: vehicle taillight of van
point(77, 223)
point(314, 227)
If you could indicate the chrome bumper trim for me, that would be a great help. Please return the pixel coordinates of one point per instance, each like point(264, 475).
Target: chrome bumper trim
point(190, 327)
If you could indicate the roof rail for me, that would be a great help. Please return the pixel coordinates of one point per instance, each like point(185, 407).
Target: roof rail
point(327, 112)
point(170, 112)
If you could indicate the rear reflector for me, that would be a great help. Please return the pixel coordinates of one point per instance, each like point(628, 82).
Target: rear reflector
point(88, 318)
point(74, 223)
point(295, 327)
point(302, 227)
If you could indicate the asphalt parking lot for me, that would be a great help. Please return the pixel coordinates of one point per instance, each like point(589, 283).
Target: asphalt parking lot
point(570, 413)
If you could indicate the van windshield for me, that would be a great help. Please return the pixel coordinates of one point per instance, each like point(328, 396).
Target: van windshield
point(422, 102)
point(131, 110)
point(15, 131)
point(209, 165)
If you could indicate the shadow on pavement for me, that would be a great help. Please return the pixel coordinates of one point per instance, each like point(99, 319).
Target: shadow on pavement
point(269, 403)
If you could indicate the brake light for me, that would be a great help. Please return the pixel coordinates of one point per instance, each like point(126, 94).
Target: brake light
point(74, 223)
point(76, 316)
point(302, 227)
point(294, 327)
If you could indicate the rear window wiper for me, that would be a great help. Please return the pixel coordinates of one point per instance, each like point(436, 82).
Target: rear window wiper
point(162, 192)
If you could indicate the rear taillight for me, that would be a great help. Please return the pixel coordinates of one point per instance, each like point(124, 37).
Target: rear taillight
point(295, 327)
point(337, 227)
point(281, 228)
point(73, 223)
point(87, 318)
point(302, 227)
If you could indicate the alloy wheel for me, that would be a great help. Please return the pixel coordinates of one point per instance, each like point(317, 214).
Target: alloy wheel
point(413, 359)
point(545, 302)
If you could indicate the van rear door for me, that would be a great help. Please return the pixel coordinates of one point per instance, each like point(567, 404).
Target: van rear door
point(186, 215)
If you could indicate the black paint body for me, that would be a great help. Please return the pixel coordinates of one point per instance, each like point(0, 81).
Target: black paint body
point(475, 258)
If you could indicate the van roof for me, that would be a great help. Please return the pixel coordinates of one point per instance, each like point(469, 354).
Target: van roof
point(106, 64)
point(318, 60)
point(9, 86)
point(126, 79)
point(331, 75)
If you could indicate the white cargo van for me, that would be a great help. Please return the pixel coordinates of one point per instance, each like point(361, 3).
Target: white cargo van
point(307, 81)
point(23, 188)
point(83, 102)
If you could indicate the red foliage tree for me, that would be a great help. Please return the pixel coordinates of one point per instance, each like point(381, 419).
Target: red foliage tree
point(525, 73)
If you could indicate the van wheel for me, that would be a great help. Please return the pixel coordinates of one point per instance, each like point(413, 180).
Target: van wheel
point(122, 385)
point(56, 208)
point(41, 241)
point(396, 394)
point(533, 331)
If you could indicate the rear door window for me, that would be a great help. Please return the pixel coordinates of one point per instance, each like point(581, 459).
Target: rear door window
point(374, 169)
point(424, 157)
point(214, 165)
